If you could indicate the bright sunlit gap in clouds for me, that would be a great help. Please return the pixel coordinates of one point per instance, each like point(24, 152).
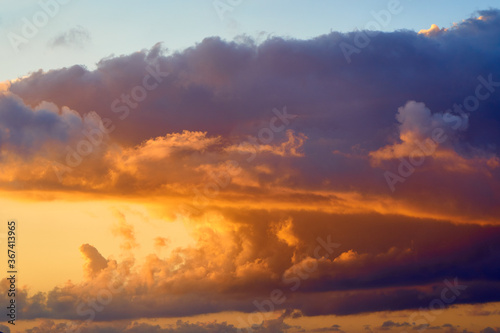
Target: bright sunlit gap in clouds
point(56, 224)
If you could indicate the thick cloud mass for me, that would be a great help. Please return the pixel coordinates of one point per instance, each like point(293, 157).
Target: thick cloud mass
point(263, 148)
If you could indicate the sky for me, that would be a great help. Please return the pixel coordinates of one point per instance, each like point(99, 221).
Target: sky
point(122, 27)
point(251, 166)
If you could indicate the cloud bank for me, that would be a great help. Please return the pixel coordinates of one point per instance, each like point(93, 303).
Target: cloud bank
point(221, 128)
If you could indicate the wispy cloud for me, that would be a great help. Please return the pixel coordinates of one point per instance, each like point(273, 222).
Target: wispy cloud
point(77, 37)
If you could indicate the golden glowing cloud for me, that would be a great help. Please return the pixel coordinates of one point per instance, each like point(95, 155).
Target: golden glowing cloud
point(4, 86)
point(432, 31)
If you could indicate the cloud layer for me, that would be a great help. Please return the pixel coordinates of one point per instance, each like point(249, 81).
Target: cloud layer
point(263, 148)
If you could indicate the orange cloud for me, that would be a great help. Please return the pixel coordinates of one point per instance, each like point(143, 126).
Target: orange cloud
point(432, 31)
point(94, 261)
point(126, 231)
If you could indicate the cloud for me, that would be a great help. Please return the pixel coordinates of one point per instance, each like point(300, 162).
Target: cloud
point(420, 132)
point(77, 37)
point(161, 242)
point(291, 147)
point(333, 328)
point(389, 324)
point(237, 260)
point(490, 330)
point(479, 310)
point(4, 86)
point(432, 31)
point(136, 327)
point(95, 262)
point(27, 130)
point(335, 131)
point(260, 149)
point(5, 329)
point(125, 231)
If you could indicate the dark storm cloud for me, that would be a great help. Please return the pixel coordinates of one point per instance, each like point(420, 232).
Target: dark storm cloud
point(27, 130)
point(220, 86)
point(345, 111)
